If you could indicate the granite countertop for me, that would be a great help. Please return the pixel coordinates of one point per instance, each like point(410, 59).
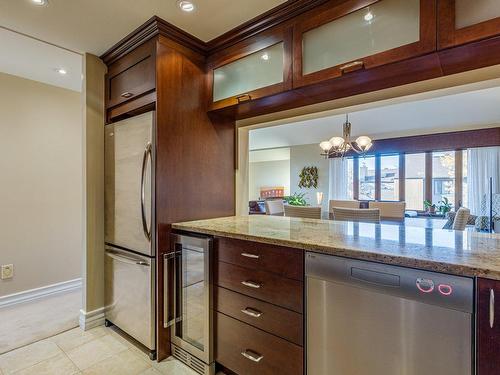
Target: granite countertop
point(466, 253)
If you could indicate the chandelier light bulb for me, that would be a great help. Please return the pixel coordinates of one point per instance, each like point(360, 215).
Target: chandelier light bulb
point(364, 142)
point(325, 146)
point(337, 141)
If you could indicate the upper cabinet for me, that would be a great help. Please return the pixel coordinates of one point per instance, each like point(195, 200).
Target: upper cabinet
point(251, 71)
point(131, 76)
point(464, 21)
point(361, 34)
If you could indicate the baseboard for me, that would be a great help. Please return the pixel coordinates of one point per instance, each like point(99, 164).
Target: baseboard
point(38, 293)
point(91, 319)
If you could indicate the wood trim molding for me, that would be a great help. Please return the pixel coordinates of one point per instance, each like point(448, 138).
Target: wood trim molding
point(271, 18)
point(157, 26)
point(151, 28)
point(449, 141)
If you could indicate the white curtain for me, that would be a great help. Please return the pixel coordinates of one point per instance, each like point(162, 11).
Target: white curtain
point(482, 163)
point(337, 186)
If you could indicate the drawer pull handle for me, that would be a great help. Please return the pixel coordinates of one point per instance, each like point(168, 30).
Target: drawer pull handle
point(248, 255)
point(252, 312)
point(251, 284)
point(492, 308)
point(355, 65)
point(251, 355)
point(126, 94)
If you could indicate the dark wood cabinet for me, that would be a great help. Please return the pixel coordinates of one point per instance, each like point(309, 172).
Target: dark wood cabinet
point(342, 37)
point(268, 317)
point(248, 351)
point(488, 327)
point(259, 299)
point(284, 261)
point(255, 68)
point(131, 76)
point(260, 284)
point(465, 21)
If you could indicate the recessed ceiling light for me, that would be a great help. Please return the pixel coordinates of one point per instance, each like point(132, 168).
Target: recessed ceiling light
point(40, 2)
point(264, 56)
point(62, 71)
point(368, 16)
point(186, 6)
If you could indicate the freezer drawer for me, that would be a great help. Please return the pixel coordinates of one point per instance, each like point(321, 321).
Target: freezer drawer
point(129, 294)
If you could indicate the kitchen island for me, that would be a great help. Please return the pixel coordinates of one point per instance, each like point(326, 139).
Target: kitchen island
point(262, 291)
point(464, 253)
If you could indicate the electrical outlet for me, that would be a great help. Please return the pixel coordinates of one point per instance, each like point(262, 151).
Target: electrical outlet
point(7, 271)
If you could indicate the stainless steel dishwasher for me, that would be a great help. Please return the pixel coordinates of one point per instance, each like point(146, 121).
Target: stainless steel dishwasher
point(366, 318)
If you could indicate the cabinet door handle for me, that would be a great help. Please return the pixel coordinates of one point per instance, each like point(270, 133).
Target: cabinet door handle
point(355, 65)
point(251, 284)
point(492, 308)
point(251, 355)
point(243, 98)
point(126, 94)
point(248, 255)
point(252, 312)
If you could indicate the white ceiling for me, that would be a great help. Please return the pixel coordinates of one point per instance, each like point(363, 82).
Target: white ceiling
point(30, 58)
point(469, 110)
point(95, 25)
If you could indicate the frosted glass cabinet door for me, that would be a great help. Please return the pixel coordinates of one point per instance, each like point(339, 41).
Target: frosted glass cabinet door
point(463, 21)
point(260, 69)
point(362, 34)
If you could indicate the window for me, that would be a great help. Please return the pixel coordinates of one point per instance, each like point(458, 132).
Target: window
point(367, 178)
point(415, 181)
point(443, 176)
point(465, 201)
point(350, 178)
point(389, 177)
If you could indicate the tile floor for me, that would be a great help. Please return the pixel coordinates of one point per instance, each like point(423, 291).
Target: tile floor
point(100, 351)
point(27, 322)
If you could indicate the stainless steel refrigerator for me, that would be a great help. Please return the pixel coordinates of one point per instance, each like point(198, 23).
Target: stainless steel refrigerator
point(129, 228)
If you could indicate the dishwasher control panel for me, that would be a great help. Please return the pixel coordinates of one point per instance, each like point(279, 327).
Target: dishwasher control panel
point(449, 291)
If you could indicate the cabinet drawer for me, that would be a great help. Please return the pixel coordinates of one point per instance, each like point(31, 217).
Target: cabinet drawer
point(268, 354)
point(260, 284)
point(283, 261)
point(131, 76)
point(270, 318)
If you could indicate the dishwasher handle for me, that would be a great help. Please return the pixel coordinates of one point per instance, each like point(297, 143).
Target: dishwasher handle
point(375, 277)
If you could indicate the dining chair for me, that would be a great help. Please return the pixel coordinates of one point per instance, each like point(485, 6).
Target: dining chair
point(461, 218)
point(367, 215)
point(390, 210)
point(303, 211)
point(275, 207)
point(342, 203)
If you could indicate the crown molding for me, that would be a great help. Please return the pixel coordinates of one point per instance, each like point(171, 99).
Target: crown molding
point(264, 21)
point(157, 26)
point(151, 28)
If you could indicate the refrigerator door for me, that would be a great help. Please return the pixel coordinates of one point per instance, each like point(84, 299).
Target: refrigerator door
point(129, 294)
point(129, 161)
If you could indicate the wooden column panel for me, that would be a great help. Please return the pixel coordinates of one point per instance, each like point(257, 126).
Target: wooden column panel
point(428, 176)
point(458, 178)
point(402, 177)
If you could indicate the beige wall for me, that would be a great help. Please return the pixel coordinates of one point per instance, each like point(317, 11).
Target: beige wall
point(309, 156)
point(41, 183)
point(268, 174)
point(93, 120)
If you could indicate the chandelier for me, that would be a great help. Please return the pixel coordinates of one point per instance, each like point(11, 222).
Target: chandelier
point(338, 146)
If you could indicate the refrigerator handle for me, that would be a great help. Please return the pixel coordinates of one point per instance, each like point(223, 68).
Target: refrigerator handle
point(126, 259)
point(147, 156)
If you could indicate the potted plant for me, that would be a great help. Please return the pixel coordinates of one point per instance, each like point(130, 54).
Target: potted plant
point(444, 206)
point(430, 207)
point(296, 199)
